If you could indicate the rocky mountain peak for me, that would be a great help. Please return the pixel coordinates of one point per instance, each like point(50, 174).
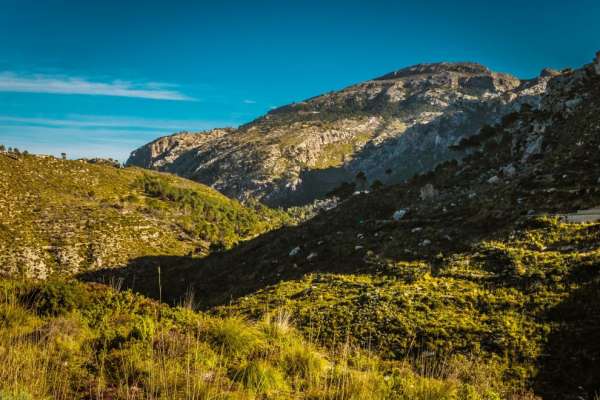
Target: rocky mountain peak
point(549, 72)
point(388, 128)
point(165, 150)
point(437, 68)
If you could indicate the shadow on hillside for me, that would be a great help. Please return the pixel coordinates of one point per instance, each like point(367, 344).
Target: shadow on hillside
point(568, 369)
point(571, 366)
point(214, 280)
point(225, 276)
point(141, 275)
point(338, 241)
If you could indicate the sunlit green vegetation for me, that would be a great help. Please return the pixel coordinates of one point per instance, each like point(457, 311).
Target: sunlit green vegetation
point(67, 340)
point(63, 217)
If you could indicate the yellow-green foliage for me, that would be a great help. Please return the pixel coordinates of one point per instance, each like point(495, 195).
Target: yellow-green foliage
point(206, 215)
point(62, 217)
point(492, 302)
point(68, 340)
point(335, 154)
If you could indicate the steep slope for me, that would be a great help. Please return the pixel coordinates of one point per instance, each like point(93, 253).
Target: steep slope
point(62, 217)
point(388, 128)
point(475, 258)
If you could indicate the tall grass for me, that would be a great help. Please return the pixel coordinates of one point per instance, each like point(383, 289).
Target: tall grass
point(116, 345)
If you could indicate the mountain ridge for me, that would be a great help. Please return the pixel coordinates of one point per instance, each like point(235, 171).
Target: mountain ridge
point(388, 127)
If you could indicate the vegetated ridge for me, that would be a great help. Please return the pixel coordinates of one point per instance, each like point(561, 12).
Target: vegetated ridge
point(63, 217)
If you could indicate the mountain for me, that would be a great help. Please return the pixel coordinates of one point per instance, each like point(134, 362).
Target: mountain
point(63, 217)
point(388, 128)
point(479, 259)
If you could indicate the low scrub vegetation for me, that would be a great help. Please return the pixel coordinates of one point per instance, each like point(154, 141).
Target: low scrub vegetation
point(68, 340)
point(503, 304)
point(60, 217)
point(209, 217)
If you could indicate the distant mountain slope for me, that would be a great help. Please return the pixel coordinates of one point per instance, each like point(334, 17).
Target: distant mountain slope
point(388, 128)
point(61, 217)
point(473, 258)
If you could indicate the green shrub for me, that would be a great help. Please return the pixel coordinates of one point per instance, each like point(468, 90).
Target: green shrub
point(143, 329)
point(260, 377)
point(298, 361)
point(56, 297)
point(235, 337)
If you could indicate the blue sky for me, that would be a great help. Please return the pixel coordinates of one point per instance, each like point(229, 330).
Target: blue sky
point(100, 78)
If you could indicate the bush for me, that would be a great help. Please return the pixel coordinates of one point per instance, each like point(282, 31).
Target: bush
point(56, 297)
point(143, 329)
point(260, 377)
point(377, 184)
point(305, 364)
point(235, 337)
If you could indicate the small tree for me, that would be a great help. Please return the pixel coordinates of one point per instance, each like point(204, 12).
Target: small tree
point(377, 184)
point(361, 181)
point(63, 156)
point(2, 148)
point(16, 151)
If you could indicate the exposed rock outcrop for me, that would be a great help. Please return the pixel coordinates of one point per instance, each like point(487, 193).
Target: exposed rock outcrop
point(388, 128)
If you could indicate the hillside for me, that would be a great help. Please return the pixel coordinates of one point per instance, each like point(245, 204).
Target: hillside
point(388, 128)
point(67, 340)
point(62, 339)
point(475, 259)
point(63, 217)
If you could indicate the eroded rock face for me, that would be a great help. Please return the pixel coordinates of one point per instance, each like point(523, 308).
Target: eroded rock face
point(389, 128)
point(167, 149)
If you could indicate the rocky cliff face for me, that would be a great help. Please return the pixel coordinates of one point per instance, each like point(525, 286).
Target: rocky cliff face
point(389, 128)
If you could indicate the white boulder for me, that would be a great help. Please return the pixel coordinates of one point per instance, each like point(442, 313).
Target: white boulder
point(493, 180)
point(508, 170)
point(399, 214)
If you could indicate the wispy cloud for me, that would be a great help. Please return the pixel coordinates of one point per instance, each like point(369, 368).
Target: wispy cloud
point(95, 122)
point(91, 135)
point(248, 101)
point(13, 82)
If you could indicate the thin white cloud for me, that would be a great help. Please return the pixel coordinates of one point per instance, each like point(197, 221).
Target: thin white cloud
point(75, 142)
point(248, 101)
point(12, 82)
point(91, 135)
point(94, 122)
